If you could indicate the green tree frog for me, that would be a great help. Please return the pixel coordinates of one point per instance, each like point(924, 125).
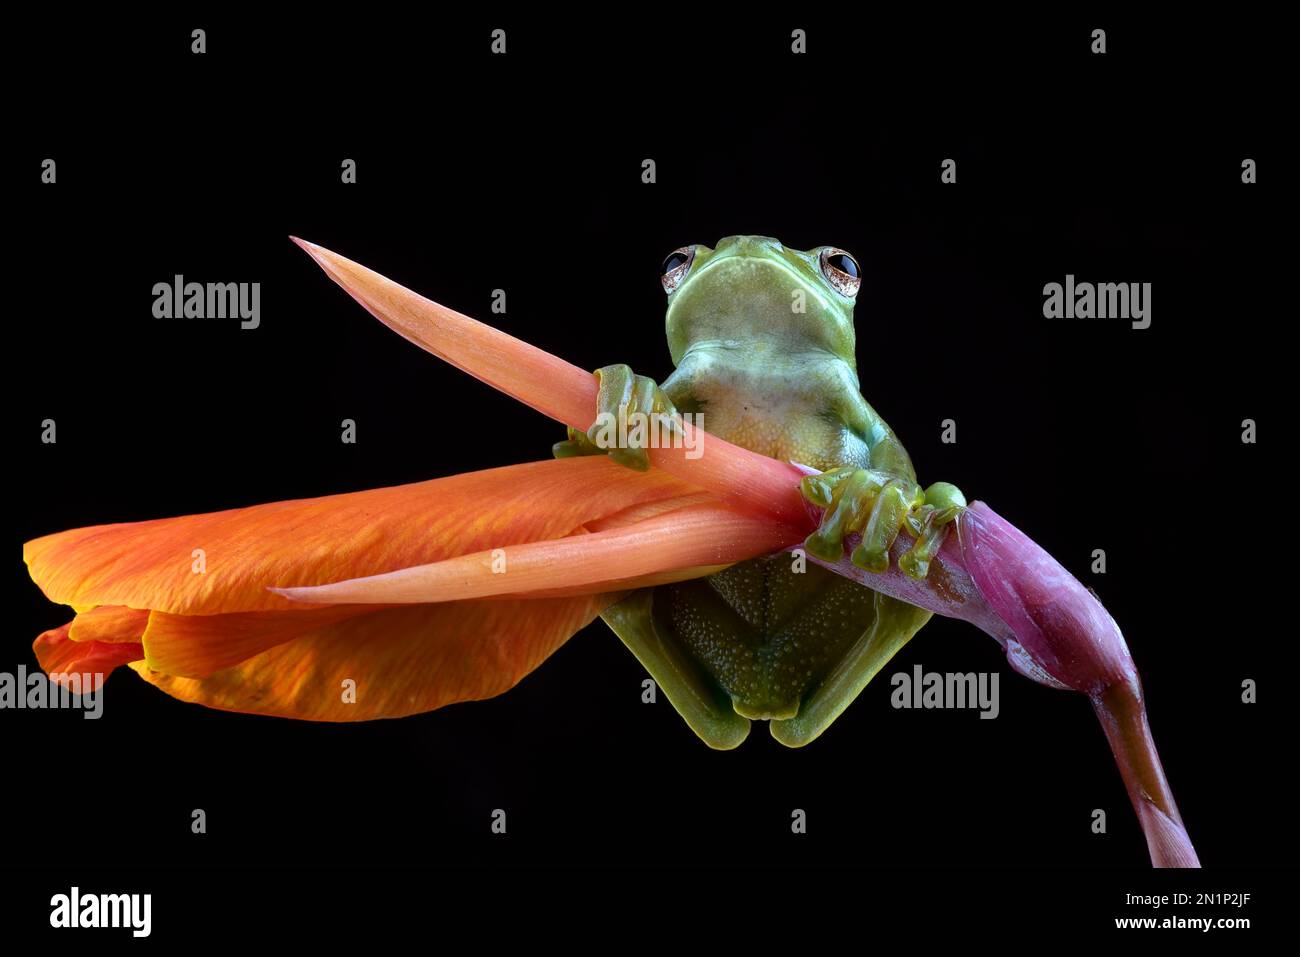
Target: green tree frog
point(763, 345)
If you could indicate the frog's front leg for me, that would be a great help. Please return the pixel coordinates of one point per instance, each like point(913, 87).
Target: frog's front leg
point(630, 409)
point(878, 505)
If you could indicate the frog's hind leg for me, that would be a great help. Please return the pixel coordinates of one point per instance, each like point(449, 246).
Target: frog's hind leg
point(697, 698)
point(894, 625)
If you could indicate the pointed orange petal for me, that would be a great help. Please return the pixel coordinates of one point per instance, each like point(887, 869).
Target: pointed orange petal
point(533, 376)
point(150, 565)
point(402, 660)
point(620, 557)
point(559, 389)
point(59, 655)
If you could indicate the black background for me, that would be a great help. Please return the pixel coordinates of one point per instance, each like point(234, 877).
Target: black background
point(522, 172)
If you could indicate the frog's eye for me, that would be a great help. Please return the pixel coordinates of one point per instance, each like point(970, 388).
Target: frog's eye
point(675, 267)
point(841, 271)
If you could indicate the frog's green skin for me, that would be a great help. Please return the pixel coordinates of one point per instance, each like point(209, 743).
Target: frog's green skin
point(764, 348)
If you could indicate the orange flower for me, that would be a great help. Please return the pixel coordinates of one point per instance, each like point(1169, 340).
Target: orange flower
point(213, 629)
point(467, 583)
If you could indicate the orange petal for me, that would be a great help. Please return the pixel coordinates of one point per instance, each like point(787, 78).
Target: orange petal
point(150, 565)
point(642, 511)
point(110, 623)
point(559, 389)
point(621, 557)
point(59, 655)
point(549, 384)
point(402, 660)
point(195, 646)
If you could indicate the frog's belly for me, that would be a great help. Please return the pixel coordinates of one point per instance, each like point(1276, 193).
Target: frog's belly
point(766, 634)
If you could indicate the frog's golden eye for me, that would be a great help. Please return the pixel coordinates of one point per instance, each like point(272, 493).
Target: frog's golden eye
point(676, 266)
point(841, 271)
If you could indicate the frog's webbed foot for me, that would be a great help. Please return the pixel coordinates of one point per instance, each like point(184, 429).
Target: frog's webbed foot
point(632, 414)
point(878, 505)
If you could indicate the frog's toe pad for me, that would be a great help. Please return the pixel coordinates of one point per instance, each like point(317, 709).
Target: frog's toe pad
point(576, 444)
point(929, 523)
point(631, 410)
point(878, 506)
point(872, 503)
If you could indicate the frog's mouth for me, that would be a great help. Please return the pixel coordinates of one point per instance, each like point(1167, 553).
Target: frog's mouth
point(745, 295)
point(739, 262)
point(744, 258)
point(743, 279)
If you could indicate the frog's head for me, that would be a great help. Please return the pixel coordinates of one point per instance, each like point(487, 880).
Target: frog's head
point(752, 292)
